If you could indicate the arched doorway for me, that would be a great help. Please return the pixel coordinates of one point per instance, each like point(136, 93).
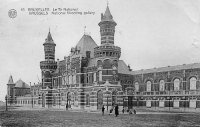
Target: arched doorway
point(99, 99)
point(114, 97)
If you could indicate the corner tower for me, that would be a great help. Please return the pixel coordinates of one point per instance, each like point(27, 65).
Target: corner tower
point(10, 90)
point(107, 27)
point(49, 65)
point(107, 54)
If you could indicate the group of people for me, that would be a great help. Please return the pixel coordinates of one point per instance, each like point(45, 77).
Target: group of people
point(116, 108)
point(129, 111)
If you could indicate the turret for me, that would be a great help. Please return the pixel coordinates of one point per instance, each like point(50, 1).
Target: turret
point(49, 48)
point(107, 27)
point(107, 31)
point(10, 90)
point(49, 65)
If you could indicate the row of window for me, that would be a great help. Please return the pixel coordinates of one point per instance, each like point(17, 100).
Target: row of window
point(26, 102)
point(192, 82)
point(107, 30)
point(107, 54)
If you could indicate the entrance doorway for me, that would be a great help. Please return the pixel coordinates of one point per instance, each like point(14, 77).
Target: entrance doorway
point(130, 102)
point(99, 99)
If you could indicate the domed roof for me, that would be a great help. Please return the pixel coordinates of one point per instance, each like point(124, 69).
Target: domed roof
point(21, 84)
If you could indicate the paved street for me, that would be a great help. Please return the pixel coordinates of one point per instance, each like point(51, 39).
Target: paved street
point(61, 118)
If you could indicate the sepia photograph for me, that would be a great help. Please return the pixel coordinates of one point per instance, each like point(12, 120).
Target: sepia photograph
point(99, 63)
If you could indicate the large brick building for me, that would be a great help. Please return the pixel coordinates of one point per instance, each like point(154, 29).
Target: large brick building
point(93, 75)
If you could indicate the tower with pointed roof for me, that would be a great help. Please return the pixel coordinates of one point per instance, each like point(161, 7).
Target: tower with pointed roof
point(107, 54)
point(49, 65)
point(107, 28)
point(10, 90)
point(49, 48)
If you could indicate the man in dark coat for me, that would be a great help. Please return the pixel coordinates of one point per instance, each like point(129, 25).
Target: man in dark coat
point(67, 106)
point(116, 110)
point(103, 110)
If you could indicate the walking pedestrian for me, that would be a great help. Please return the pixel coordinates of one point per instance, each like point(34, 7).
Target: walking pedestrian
point(123, 110)
point(103, 110)
point(111, 110)
point(116, 110)
point(134, 111)
point(66, 106)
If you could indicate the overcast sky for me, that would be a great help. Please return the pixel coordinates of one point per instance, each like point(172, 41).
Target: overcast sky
point(151, 33)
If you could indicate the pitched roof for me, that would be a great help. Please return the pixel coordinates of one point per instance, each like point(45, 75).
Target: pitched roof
point(10, 81)
point(86, 43)
point(21, 84)
point(49, 39)
point(107, 15)
point(168, 68)
point(122, 67)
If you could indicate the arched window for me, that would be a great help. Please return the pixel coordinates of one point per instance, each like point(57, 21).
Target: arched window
point(70, 79)
point(74, 79)
point(107, 64)
point(148, 85)
point(99, 63)
point(176, 84)
point(136, 86)
point(162, 85)
point(193, 82)
point(87, 99)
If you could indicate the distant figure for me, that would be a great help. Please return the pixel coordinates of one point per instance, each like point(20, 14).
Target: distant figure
point(103, 110)
point(134, 111)
point(111, 110)
point(116, 110)
point(123, 110)
point(130, 112)
point(66, 106)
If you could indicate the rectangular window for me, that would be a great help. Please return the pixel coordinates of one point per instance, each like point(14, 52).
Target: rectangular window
point(94, 77)
point(100, 75)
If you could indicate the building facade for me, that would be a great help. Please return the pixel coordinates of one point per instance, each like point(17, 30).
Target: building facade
point(93, 75)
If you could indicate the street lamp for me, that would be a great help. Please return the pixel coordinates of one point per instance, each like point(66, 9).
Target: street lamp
point(31, 96)
point(6, 98)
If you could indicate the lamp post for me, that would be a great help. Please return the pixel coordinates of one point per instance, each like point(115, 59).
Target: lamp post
point(31, 95)
point(6, 98)
point(107, 102)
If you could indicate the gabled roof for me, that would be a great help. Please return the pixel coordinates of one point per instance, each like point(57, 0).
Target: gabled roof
point(10, 81)
point(21, 84)
point(122, 67)
point(168, 68)
point(86, 43)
